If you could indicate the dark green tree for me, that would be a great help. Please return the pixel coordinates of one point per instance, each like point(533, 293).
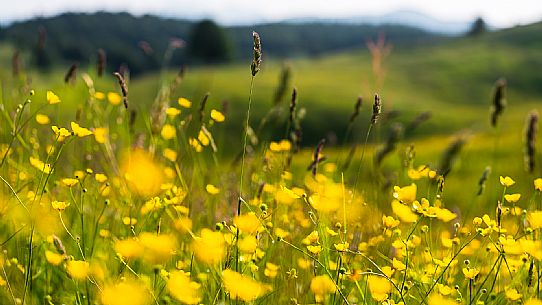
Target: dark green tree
point(208, 43)
point(477, 28)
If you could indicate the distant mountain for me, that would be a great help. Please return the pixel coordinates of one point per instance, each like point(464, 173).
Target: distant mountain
point(403, 18)
point(140, 42)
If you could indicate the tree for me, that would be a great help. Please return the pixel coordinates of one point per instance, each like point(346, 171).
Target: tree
point(478, 27)
point(209, 43)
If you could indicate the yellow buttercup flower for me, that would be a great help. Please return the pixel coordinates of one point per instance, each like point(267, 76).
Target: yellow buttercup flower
point(512, 197)
point(59, 205)
point(217, 116)
point(405, 194)
point(535, 219)
point(172, 112)
point(78, 270)
point(114, 98)
point(54, 258)
point(379, 287)
point(470, 273)
point(168, 132)
point(52, 98)
point(100, 134)
point(170, 154)
point(128, 292)
point(37, 163)
point(242, 287)
point(183, 102)
point(248, 223)
point(42, 119)
point(506, 181)
point(209, 248)
point(69, 182)
point(80, 131)
point(512, 294)
point(404, 212)
point(183, 289)
point(211, 189)
point(538, 184)
point(322, 286)
point(101, 178)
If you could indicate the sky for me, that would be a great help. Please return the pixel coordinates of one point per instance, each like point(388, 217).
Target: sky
point(498, 13)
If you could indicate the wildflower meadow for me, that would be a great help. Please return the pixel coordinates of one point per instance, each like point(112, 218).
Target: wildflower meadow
point(119, 204)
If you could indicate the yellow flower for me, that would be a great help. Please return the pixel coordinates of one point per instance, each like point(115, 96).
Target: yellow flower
point(78, 270)
point(80, 131)
point(248, 223)
point(128, 248)
point(170, 154)
point(445, 214)
point(314, 249)
point(506, 181)
point(211, 189)
point(54, 258)
point(404, 212)
point(128, 292)
point(217, 116)
point(397, 264)
point(535, 219)
point(99, 95)
point(470, 273)
point(183, 102)
point(538, 184)
point(100, 134)
point(533, 302)
point(172, 112)
point(390, 222)
point(52, 98)
point(182, 288)
point(209, 248)
point(283, 145)
point(405, 194)
point(342, 246)
point(168, 132)
point(157, 248)
point(248, 244)
point(271, 270)
point(101, 178)
point(512, 294)
point(42, 119)
point(379, 286)
point(512, 197)
point(321, 286)
point(143, 175)
point(114, 98)
point(69, 182)
point(203, 138)
point(242, 287)
point(437, 299)
point(59, 205)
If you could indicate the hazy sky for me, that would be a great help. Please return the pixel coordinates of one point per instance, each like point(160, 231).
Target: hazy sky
point(500, 13)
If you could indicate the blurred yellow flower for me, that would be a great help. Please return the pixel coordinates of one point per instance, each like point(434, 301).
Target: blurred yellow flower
point(69, 182)
point(128, 292)
point(242, 287)
point(80, 131)
point(42, 119)
point(128, 248)
point(114, 98)
point(78, 270)
point(535, 219)
point(512, 294)
point(403, 211)
point(438, 299)
point(405, 194)
point(183, 102)
point(512, 197)
point(46, 168)
point(203, 138)
point(379, 287)
point(271, 270)
point(157, 248)
point(54, 258)
point(183, 289)
point(52, 98)
point(170, 154)
point(209, 248)
point(101, 178)
point(99, 95)
point(142, 174)
point(321, 286)
point(100, 134)
point(538, 184)
point(470, 273)
point(533, 302)
point(506, 181)
point(59, 205)
point(248, 223)
point(172, 112)
point(168, 132)
point(211, 189)
point(217, 116)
